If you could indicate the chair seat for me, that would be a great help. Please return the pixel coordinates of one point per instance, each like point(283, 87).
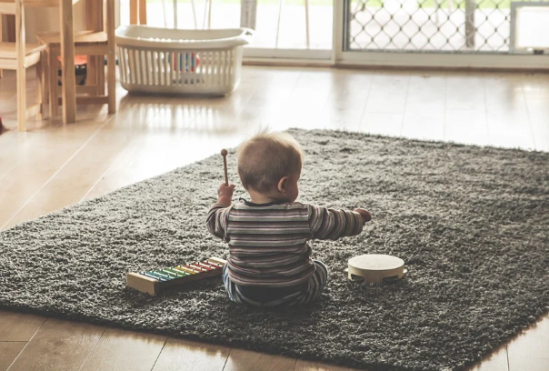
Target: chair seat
point(8, 50)
point(80, 38)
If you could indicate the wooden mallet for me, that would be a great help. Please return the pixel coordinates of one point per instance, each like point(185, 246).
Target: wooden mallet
point(224, 154)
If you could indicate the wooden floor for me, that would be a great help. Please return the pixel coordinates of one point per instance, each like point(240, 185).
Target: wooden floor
point(53, 166)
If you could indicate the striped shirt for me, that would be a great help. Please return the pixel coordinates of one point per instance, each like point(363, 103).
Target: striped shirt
point(268, 242)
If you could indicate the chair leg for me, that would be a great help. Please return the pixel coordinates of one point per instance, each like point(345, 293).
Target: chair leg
point(53, 83)
point(91, 73)
point(45, 78)
point(100, 65)
point(111, 82)
point(39, 91)
point(21, 98)
point(42, 70)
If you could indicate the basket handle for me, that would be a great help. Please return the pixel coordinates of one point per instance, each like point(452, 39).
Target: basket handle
point(247, 34)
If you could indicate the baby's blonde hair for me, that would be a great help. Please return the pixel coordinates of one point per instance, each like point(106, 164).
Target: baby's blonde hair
point(266, 158)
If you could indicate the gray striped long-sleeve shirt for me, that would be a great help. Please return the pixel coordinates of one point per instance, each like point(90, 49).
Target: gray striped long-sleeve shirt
point(268, 242)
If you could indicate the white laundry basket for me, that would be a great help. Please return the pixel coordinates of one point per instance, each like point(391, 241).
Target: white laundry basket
point(161, 60)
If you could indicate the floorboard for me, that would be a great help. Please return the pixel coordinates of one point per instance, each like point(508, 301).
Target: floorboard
point(245, 360)
point(183, 355)
point(124, 351)
point(495, 362)
point(58, 345)
point(8, 352)
point(316, 366)
point(530, 351)
point(18, 326)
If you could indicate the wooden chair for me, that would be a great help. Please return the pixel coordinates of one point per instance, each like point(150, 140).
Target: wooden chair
point(19, 56)
point(95, 44)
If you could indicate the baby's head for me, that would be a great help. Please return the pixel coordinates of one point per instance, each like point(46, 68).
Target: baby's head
point(269, 165)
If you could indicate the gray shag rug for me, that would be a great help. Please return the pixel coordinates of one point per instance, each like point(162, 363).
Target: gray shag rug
point(471, 223)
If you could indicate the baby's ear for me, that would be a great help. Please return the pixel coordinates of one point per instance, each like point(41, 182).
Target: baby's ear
point(282, 183)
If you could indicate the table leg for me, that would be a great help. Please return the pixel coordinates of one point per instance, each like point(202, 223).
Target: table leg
point(94, 21)
point(111, 58)
point(143, 12)
point(67, 57)
point(134, 10)
point(100, 74)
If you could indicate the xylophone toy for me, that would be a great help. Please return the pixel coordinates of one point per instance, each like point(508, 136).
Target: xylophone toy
point(152, 282)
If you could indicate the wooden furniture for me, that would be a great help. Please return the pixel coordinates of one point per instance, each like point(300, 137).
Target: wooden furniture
point(67, 48)
point(138, 12)
point(19, 56)
point(96, 44)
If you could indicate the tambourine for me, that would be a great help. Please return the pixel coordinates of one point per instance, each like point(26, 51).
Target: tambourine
point(376, 268)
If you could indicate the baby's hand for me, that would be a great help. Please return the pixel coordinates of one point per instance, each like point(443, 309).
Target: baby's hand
point(366, 216)
point(225, 191)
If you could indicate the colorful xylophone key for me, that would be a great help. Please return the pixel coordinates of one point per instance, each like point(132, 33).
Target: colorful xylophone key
point(152, 282)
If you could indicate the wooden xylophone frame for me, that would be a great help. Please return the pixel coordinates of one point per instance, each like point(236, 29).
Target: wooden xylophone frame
point(153, 282)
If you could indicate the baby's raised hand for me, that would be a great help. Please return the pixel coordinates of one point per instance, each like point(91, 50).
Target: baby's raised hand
point(225, 194)
point(366, 216)
point(225, 190)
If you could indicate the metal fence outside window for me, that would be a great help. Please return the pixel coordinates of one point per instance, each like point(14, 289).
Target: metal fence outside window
point(481, 26)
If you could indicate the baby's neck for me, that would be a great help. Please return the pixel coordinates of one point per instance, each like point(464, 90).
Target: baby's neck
point(260, 198)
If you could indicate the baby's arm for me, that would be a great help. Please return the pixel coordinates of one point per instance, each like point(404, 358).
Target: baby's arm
point(217, 216)
point(330, 224)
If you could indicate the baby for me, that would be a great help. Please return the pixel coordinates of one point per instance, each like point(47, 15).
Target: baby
point(269, 262)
